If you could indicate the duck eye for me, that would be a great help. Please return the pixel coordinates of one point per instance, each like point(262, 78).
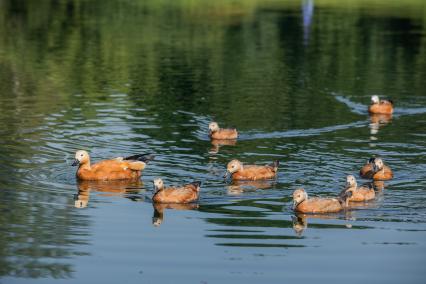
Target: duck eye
point(81, 155)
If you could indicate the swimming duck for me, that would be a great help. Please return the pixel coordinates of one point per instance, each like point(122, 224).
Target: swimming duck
point(221, 133)
point(362, 193)
point(380, 106)
point(302, 204)
point(114, 169)
point(376, 169)
point(183, 194)
point(251, 172)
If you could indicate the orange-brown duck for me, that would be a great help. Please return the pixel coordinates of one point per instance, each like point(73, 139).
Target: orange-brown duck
point(183, 194)
point(222, 133)
point(376, 169)
point(303, 204)
point(114, 169)
point(238, 171)
point(380, 106)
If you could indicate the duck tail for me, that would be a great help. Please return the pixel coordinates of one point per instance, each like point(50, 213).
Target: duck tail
point(141, 157)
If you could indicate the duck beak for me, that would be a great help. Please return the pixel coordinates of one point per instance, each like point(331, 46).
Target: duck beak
point(75, 163)
point(226, 175)
point(294, 205)
point(375, 169)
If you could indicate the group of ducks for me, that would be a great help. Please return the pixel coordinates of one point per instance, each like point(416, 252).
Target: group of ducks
point(130, 168)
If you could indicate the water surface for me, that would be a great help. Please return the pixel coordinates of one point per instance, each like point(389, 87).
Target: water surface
point(125, 77)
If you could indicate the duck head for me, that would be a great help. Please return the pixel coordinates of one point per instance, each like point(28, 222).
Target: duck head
point(158, 184)
point(213, 127)
point(375, 99)
point(377, 165)
point(350, 181)
point(299, 195)
point(81, 158)
point(232, 167)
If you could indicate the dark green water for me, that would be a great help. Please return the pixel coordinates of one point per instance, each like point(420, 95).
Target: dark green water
point(124, 77)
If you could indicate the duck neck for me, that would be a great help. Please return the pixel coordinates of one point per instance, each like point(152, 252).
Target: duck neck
point(85, 166)
point(351, 188)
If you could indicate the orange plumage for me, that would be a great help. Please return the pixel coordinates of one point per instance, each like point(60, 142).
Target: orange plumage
point(301, 203)
point(114, 169)
point(376, 169)
point(221, 133)
point(380, 106)
point(183, 194)
point(358, 194)
point(239, 171)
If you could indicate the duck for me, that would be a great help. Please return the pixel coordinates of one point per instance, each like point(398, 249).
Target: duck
point(380, 106)
point(303, 204)
point(238, 171)
point(222, 133)
point(376, 169)
point(183, 194)
point(114, 169)
point(358, 194)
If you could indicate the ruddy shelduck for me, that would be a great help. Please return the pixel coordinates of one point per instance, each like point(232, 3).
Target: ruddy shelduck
point(380, 106)
point(362, 193)
point(238, 171)
point(115, 169)
point(303, 204)
point(183, 194)
point(376, 169)
point(222, 133)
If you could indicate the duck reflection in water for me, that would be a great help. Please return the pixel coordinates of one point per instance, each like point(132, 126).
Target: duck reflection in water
point(377, 121)
point(300, 220)
point(217, 143)
point(110, 188)
point(158, 216)
point(238, 187)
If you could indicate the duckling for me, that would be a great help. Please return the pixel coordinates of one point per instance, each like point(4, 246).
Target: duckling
point(302, 204)
point(221, 133)
point(362, 193)
point(114, 169)
point(251, 172)
point(376, 169)
point(380, 106)
point(183, 194)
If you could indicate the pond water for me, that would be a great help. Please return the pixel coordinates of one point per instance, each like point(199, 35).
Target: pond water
point(295, 77)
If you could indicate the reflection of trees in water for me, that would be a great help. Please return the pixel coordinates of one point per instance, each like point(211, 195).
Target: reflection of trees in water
point(204, 60)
